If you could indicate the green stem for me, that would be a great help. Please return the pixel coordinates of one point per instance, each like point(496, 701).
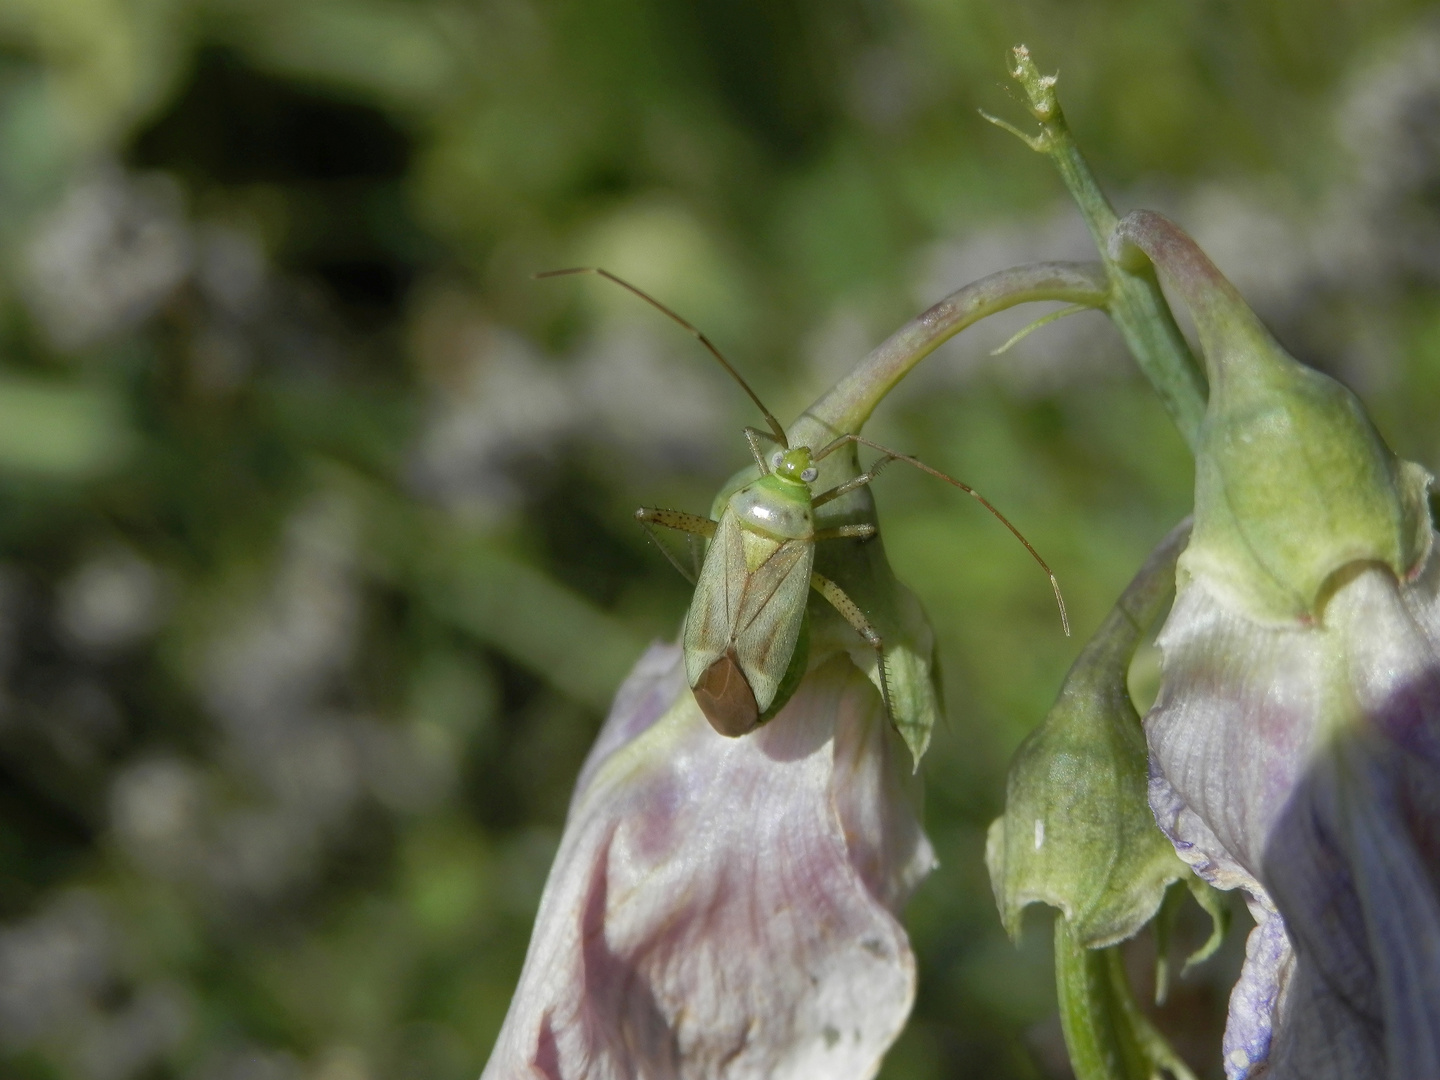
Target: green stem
point(1106, 1032)
point(1135, 304)
point(847, 406)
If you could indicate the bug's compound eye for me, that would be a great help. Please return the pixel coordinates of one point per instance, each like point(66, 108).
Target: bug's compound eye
point(810, 474)
point(777, 460)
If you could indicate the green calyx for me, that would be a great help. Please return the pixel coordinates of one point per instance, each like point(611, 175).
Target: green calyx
point(1292, 481)
point(1077, 832)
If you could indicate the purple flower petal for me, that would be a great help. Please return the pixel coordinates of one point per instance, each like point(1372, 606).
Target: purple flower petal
point(1302, 763)
point(1256, 1000)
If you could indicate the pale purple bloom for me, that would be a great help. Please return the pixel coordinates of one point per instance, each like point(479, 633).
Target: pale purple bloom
point(724, 907)
point(1295, 746)
point(1302, 764)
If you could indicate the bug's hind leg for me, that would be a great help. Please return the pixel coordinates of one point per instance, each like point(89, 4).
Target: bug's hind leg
point(691, 524)
point(851, 613)
point(862, 531)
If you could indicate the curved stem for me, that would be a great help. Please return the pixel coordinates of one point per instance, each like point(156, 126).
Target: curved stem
point(1136, 304)
point(846, 406)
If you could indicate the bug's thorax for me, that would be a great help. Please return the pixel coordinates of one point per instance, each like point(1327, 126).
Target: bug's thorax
point(775, 507)
point(771, 511)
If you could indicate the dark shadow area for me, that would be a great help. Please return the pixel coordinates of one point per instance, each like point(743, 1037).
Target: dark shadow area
point(335, 164)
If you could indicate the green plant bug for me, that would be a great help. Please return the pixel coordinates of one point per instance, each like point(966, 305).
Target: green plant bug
point(745, 633)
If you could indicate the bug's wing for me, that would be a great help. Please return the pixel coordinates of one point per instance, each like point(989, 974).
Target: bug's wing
point(710, 623)
point(757, 613)
point(767, 624)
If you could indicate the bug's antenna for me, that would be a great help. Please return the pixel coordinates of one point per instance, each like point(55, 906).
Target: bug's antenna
point(891, 455)
point(775, 427)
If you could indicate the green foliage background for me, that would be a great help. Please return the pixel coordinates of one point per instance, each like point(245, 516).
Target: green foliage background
point(317, 557)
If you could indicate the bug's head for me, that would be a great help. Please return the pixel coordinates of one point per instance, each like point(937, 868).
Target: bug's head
point(794, 464)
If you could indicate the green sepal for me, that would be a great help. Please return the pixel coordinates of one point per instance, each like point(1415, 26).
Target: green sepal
point(1292, 481)
point(911, 670)
point(1164, 928)
point(1107, 1034)
point(1077, 832)
point(861, 568)
point(1212, 901)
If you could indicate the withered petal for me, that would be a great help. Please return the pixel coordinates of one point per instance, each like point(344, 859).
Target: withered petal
point(724, 907)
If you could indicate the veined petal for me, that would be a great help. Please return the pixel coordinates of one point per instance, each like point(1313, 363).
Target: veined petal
point(724, 907)
point(1260, 994)
point(1302, 763)
point(1233, 729)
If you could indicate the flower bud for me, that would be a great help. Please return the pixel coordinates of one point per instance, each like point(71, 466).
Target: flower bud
point(724, 907)
point(1093, 850)
point(1077, 832)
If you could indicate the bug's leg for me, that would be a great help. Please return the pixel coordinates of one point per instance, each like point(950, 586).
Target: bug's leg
point(893, 455)
point(677, 520)
point(850, 485)
point(691, 524)
point(851, 613)
point(862, 531)
point(753, 436)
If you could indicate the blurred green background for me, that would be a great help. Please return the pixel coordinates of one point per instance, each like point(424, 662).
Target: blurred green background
point(317, 557)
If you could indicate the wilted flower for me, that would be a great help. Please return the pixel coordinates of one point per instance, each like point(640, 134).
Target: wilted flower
point(724, 907)
point(1295, 746)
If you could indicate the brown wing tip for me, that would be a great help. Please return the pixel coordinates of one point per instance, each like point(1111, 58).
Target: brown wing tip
point(725, 697)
